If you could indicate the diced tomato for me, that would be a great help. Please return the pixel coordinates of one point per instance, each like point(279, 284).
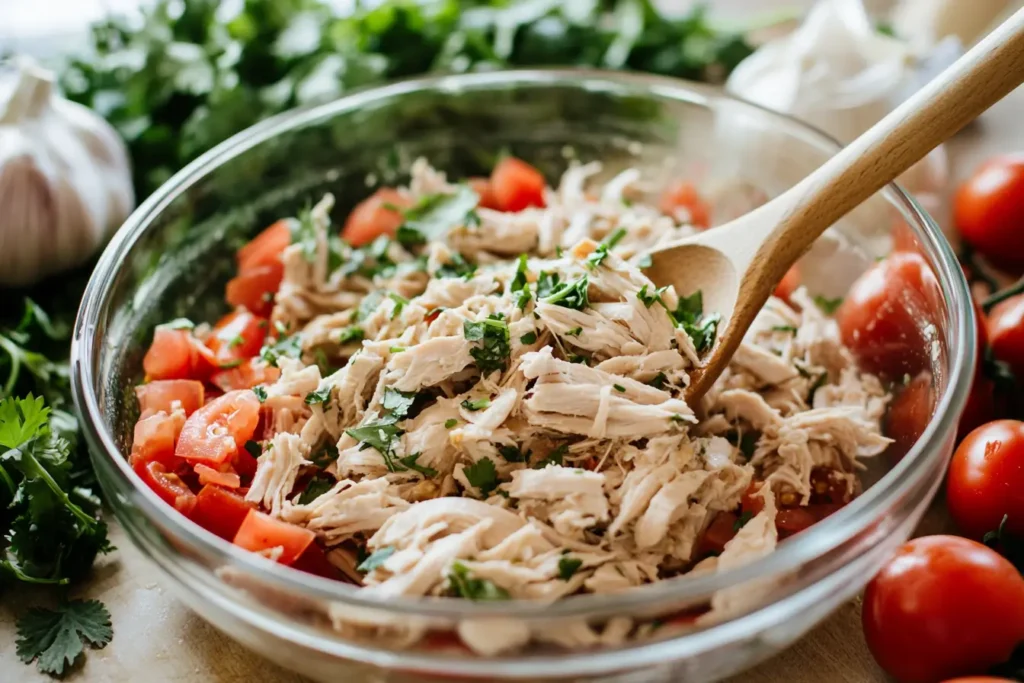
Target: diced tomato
point(254, 288)
point(250, 373)
point(482, 187)
point(244, 464)
point(720, 532)
point(262, 533)
point(313, 560)
point(236, 337)
point(683, 195)
point(752, 502)
point(375, 216)
point(161, 395)
point(208, 475)
point(794, 520)
point(167, 485)
point(265, 249)
point(215, 433)
point(155, 438)
point(220, 511)
point(177, 354)
point(828, 487)
point(517, 185)
point(789, 284)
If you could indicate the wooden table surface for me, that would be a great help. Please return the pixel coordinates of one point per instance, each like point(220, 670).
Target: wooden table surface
point(157, 640)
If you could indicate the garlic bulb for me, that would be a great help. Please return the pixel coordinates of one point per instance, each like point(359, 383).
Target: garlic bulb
point(65, 180)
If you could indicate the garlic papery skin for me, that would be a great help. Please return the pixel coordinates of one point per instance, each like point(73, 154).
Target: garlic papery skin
point(65, 179)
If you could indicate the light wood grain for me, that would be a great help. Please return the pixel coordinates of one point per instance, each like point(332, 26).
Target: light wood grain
point(738, 265)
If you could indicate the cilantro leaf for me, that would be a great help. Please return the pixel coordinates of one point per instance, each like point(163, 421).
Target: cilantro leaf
point(520, 284)
point(457, 266)
point(476, 404)
point(450, 423)
point(493, 351)
point(322, 395)
point(317, 486)
point(555, 457)
point(351, 334)
point(409, 463)
point(379, 436)
point(21, 420)
point(253, 448)
point(689, 315)
point(599, 254)
point(528, 338)
point(57, 637)
point(828, 306)
point(482, 475)
point(434, 215)
point(400, 303)
point(398, 403)
point(570, 294)
point(568, 566)
point(284, 347)
point(658, 381)
point(546, 284)
point(261, 393)
point(465, 586)
point(376, 559)
point(513, 453)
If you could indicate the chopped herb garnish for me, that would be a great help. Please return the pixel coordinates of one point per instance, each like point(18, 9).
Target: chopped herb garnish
point(644, 262)
point(818, 383)
point(658, 381)
point(748, 444)
point(380, 436)
point(619, 388)
point(351, 334)
point(237, 340)
point(286, 347)
point(599, 254)
point(482, 475)
point(317, 486)
point(400, 302)
point(398, 403)
point(528, 338)
point(179, 324)
point(520, 284)
point(784, 328)
point(741, 521)
point(576, 358)
point(304, 233)
point(375, 559)
point(568, 566)
point(230, 364)
point(476, 404)
point(648, 298)
point(546, 284)
point(368, 306)
point(325, 456)
point(464, 586)
point(689, 315)
point(493, 350)
point(457, 266)
point(513, 453)
point(555, 457)
point(396, 349)
point(569, 294)
point(574, 332)
point(450, 423)
point(56, 638)
point(614, 238)
point(409, 462)
point(828, 306)
point(321, 395)
point(434, 215)
point(253, 448)
point(677, 418)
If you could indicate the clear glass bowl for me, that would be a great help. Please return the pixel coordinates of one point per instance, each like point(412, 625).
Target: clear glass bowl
point(175, 253)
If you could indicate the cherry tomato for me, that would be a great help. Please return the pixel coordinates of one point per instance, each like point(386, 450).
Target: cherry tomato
point(720, 532)
point(237, 337)
point(260, 532)
point(168, 486)
point(986, 479)
point(909, 413)
point(161, 395)
point(942, 607)
point(752, 502)
point(220, 511)
point(375, 216)
point(989, 211)
point(1006, 332)
point(177, 354)
point(517, 185)
point(255, 287)
point(251, 372)
point(482, 187)
point(683, 195)
point(154, 440)
point(789, 284)
point(265, 249)
point(313, 560)
point(216, 432)
point(882, 316)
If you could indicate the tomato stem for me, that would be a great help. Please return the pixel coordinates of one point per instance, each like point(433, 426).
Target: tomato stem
point(998, 297)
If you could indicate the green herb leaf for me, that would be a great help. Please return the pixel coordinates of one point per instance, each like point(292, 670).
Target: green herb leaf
point(409, 462)
point(376, 559)
point(57, 637)
point(555, 457)
point(513, 453)
point(400, 303)
point(457, 266)
point(285, 347)
point(520, 284)
point(828, 306)
point(351, 334)
point(784, 328)
point(319, 396)
point(434, 215)
point(253, 448)
point(261, 393)
point(619, 388)
point(569, 294)
point(493, 350)
point(476, 404)
point(450, 423)
point(398, 403)
point(742, 520)
point(659, 381)
point(482, 475)
point(568, 566)
point(465, 586)
point(574, 332)
point(528, 338)
point(317, 486)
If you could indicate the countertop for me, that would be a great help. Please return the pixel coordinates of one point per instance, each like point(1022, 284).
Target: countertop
point(157, 640)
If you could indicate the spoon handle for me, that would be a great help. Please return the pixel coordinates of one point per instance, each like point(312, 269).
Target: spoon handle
point(976, 81)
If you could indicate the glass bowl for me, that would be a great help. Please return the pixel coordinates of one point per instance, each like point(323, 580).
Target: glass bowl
point(174, 254)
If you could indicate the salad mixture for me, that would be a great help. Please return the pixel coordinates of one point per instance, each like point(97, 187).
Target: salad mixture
point(475, 392)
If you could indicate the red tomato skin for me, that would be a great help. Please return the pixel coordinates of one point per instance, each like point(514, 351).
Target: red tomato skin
point(220, 511)
point(942, 607)
point(236, 337)
point(215, 433)
point(261, 532)
point(986, 479)
point(373, 217)
point(177, 354)
point(684, 195)
point(168, 486)
point(517, 185)
point(159, 396)
point(255, 287)
point(208, 475)
point(881, 318)
point(909, 413)
point(266, 248)
point(482, 187)
point(313, 560)
point(979, 679)
point(1006, 333)
point(988, 210)
point(790, 283)
point(155, 438)
point(246, 376)
point(719, 532)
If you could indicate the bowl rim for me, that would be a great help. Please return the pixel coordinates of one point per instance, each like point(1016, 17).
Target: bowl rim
point(823, 537)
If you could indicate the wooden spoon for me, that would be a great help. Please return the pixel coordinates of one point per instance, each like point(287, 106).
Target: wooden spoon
point(738, 265)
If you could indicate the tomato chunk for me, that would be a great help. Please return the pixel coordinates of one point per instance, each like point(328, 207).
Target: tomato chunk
point(161, 395)
point(375, 216)
point(483, 189)
point(250, 373)
point(177, 354)
point(220, 511)
point(262, 533)
point(266, 248)
point(789, 284)
point(517, 185)
point(208, 475)
point(214, 434)
point(155, 438)
point(236, 337)
point(313, 560)
point(255, 287)
point(167, 485)
point(683, 195)
point(720, 532)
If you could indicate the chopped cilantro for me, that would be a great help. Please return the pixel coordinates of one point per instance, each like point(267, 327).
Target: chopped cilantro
point(400, 302)
point(369, 304)
point(237, 340)
point(742, 520)
point(828, 306)
point(351, 334)
point(520, 284)
point(648, 299)
point(476, 404)
point(253, 448)
point(317, 486)
point(568, 566)
point(528, 338)
point(619, 388)
point(57, 637)
point(658, 381)
point(644, 262)
point(513, 453)
point(614, 238)
point(434, 215)
point(689, 315)
point(287, 347)
point(398, 403)
point(574, 332)
point(599, 254)
point(318, 396)
point(457, 266)
point(450, 423)
point(570, 294)
point(493, 350)
point(380, 436)
point(376, 559)
point(482, 475)
point(783, 328)
point(325, 456)
point(546, 284)
point(463, 585)
point(555, 457)
point(396, 349)
point(409, 463)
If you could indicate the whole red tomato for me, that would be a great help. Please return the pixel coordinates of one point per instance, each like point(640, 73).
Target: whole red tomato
point(882, 317)
point(986, 479)
point(1006, 332)
point(989, 210)
point(943, 607)
point(909, 413)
